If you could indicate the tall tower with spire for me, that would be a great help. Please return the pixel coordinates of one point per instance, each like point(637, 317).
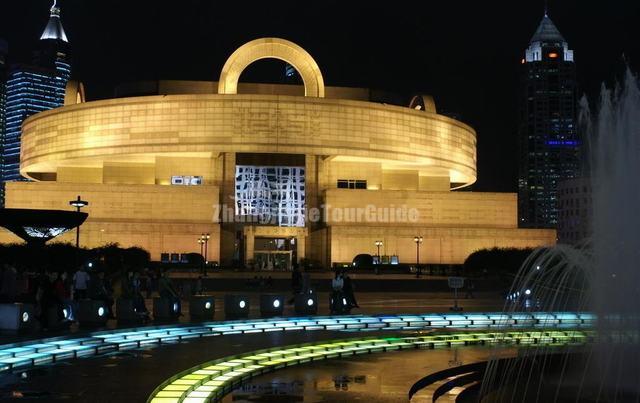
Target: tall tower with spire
point(31, 89)
point(549, 143)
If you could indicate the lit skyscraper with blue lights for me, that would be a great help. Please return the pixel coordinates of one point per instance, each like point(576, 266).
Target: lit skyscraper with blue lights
point(4, 49)
point(34, 88)
point(549, 140)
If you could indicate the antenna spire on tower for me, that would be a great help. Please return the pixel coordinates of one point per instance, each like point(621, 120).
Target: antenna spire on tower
point(54, 29)
point(546, 8)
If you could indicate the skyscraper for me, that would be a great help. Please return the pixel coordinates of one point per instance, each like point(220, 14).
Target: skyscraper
point(4, 49)
point(34, 88)
point(549, 140)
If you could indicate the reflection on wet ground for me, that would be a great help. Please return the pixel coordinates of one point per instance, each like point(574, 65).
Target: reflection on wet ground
point(377, 378)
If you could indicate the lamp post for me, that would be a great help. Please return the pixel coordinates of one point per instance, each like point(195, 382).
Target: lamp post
point(201, 242)
point(378, 245)
point(206, 238)
point(78, 204)
point(418, 240)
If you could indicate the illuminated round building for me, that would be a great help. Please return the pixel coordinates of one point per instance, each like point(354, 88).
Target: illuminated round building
point(274, 173)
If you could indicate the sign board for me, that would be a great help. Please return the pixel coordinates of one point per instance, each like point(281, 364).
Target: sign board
point(186, 180)
point(456, 282)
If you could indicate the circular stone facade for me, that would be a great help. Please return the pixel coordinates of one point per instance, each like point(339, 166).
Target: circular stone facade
point(141, 128)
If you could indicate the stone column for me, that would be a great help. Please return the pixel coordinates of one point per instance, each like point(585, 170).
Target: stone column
point(249, 240)
point(302, 249)
point(226, 169)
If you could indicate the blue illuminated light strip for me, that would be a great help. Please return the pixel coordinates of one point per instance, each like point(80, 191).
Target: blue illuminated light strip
point(40, 352)
point(560, 143)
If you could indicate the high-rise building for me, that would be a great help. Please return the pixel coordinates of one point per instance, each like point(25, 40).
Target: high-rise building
point(4, 50)
point(549, 140)
point(34, 88)
point(575, 209)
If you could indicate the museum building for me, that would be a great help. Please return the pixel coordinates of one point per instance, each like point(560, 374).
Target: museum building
point(274, 173)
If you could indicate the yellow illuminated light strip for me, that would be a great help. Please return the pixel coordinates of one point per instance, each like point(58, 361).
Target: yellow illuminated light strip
point(213, 380)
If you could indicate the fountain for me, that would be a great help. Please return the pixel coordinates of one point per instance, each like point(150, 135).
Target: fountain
point(601, 275)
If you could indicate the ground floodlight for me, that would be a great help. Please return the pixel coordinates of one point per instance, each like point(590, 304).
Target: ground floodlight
point(236, 306)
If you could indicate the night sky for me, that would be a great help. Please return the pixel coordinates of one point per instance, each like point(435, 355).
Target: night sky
point(465, 53)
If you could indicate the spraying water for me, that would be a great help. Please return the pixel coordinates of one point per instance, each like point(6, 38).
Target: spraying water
point(601, 275)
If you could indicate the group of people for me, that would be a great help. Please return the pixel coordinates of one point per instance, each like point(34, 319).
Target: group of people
point(55, 294)
point(52, 291)
point(93, 286)
point(343, 298)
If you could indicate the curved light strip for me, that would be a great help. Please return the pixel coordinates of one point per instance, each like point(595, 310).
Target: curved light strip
point(213, 380)
point(41, 352)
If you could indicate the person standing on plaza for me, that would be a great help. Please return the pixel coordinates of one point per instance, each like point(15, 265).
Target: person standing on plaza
point(59, 287)
point(348, 290)
point(168, 291)
point(138, 299)
point(80, 284)
point(306, 282)
point(296, 282)
point(337, 286)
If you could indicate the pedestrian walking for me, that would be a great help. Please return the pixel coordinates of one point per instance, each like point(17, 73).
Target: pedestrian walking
point(348, 290)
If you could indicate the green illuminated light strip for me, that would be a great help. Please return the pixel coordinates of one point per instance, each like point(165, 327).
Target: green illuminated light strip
point(211, 381)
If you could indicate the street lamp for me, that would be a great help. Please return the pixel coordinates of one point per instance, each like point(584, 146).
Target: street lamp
point(201, 241)
point(379, 244)
point(78, 204)
point(205, 238)
point(418, 240)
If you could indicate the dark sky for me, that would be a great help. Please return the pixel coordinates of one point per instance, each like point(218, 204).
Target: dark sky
point(465, 53)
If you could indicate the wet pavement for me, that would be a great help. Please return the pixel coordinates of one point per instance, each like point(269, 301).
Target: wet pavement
point(131, 376)
point(376, 378)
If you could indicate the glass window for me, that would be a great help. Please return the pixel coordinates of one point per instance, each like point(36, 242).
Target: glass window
point(352, 184)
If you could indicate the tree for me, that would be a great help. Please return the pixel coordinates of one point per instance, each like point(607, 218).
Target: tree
point(500, 261)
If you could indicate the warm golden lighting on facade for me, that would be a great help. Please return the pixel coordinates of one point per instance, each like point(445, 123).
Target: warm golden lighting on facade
point(160, 170)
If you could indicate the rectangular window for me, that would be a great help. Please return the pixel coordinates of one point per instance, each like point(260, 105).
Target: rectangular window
point(352, 184)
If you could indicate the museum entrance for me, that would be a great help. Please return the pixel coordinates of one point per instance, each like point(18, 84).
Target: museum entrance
point(274, 254)
point(272, 248)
